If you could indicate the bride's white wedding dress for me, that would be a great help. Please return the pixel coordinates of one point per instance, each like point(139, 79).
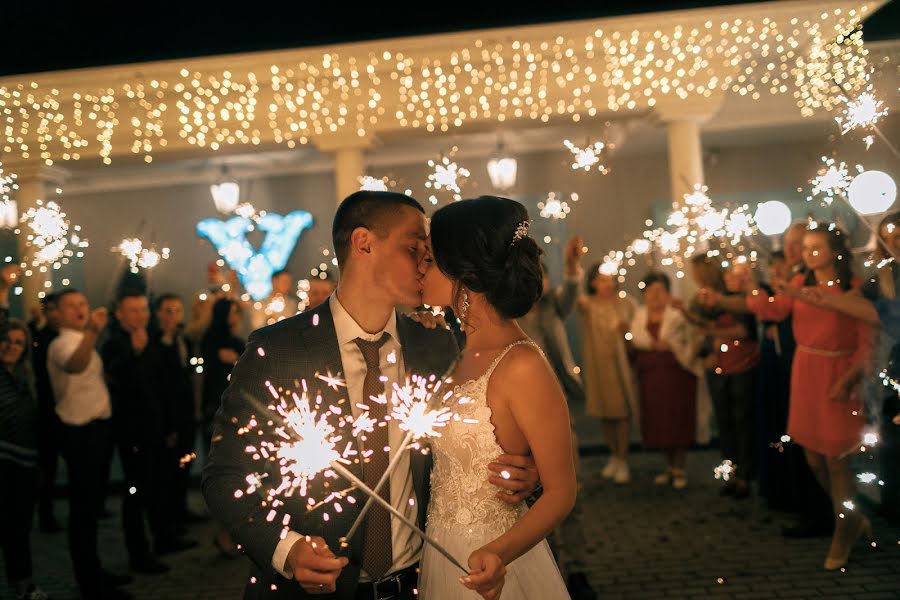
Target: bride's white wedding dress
point(464, 513)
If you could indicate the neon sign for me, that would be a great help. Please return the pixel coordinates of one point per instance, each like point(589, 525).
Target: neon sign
point(255, 268)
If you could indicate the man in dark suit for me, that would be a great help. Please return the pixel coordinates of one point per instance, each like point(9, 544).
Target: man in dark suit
point(379, 240)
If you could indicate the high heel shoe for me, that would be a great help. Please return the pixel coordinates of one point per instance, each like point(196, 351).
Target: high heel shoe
point(863, 528)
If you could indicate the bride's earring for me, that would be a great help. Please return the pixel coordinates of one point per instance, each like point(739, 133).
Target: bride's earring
point(464, 309)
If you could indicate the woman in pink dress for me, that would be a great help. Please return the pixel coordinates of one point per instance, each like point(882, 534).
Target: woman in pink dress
point(825, 415)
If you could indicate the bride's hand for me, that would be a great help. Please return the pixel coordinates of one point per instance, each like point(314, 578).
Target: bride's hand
point(487, 574)
point(428, 319)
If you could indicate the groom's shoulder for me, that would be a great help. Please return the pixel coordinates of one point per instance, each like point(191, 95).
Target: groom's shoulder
point(286, 331)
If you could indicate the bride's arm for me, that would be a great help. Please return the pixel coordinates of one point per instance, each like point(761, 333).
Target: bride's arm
point(541, 413)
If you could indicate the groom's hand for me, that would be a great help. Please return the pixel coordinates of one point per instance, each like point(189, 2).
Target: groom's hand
point(314, 565)
point(516, 475)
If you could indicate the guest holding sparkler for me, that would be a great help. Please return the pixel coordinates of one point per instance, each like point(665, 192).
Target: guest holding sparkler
point(610, 392)
point(83, 405)
point(806, 497)
point(879, 306)
point(826, 415)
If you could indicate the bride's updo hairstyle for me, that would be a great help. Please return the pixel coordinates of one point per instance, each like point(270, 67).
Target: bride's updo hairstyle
point(483, 244)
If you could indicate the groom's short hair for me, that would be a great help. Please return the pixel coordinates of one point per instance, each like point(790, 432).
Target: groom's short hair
point(368, 209)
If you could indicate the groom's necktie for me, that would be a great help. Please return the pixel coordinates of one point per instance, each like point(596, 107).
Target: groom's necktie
point(377, 554)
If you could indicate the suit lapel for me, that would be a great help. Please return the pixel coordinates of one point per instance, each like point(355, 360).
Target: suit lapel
point(321, 336)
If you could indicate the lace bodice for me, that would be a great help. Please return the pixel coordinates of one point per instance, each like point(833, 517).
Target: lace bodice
point(462, 499)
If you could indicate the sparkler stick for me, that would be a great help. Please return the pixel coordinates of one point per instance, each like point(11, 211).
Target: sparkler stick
point(390, 469)
point(341, 470)
point(887, 142)
point(345, 541)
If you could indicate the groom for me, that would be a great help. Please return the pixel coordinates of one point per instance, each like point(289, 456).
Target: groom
point(379, 240)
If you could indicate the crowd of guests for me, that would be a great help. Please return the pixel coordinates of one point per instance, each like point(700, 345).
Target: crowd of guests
point(141, 382)
point(776, 366)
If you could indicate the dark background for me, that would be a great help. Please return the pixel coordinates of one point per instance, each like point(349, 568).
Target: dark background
point(49, 35)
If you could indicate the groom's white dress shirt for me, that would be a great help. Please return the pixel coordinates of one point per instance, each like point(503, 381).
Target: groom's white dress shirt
point(406, 545)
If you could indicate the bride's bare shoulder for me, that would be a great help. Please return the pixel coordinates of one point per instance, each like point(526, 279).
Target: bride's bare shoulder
point(522, 369)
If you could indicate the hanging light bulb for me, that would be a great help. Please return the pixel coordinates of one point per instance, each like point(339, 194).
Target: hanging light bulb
point(226, 194)
point(502, 169)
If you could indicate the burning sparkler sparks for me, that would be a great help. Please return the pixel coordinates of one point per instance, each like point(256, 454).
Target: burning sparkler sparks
point(553, 207)
point(831, 182)
point(725, 471)
point(586, 158)
point(863, 112)
point(448, 176)
point(138, 256)
point(371, 184)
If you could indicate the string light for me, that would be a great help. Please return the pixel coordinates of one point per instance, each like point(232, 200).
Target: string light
point(817, 58)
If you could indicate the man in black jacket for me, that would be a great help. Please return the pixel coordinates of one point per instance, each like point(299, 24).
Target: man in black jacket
point(132, 370)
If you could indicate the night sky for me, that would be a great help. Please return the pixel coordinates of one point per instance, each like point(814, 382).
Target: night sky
point(38, 35)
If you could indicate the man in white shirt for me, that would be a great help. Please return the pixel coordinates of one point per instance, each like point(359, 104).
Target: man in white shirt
point(83, 406)
point(379, 239)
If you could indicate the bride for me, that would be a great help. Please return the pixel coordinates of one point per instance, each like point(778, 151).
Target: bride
point(481, 262)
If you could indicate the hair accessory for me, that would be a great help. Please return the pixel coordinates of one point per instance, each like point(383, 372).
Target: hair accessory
point(521, 232)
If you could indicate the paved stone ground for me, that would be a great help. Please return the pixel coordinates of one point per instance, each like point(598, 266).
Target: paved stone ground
point(644, 542)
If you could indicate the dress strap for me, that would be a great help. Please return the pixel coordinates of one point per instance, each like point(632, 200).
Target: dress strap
point(504, 352)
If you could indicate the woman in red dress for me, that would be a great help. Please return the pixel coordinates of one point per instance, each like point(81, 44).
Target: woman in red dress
point(825, 415)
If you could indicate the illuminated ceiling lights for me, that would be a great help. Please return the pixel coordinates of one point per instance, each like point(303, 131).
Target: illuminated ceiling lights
point(816, 57)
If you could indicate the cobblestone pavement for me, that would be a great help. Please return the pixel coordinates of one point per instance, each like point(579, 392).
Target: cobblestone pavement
point(644, 542)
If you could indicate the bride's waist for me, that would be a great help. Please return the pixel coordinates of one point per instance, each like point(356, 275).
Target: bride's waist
point(469, 513)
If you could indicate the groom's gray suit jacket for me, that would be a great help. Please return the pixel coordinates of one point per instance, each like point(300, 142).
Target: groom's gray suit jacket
point(282, 354)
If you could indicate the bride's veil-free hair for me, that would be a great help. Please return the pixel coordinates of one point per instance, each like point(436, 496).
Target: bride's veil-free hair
point(474, 243)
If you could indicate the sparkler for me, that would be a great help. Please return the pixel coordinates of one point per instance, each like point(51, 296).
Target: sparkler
point(725, 471)
point(138, 256)
point(372, 184)
point(50, 235)
point(420, 409)
point(587, 157)
point(863, 112)
point(553, 208)
point(832, 180)
point(447, 175)
point(309, 444)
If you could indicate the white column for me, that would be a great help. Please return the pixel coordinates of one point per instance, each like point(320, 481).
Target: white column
point(683, 119)
point(685, 156)
point(348, 167)
point(347, 151)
